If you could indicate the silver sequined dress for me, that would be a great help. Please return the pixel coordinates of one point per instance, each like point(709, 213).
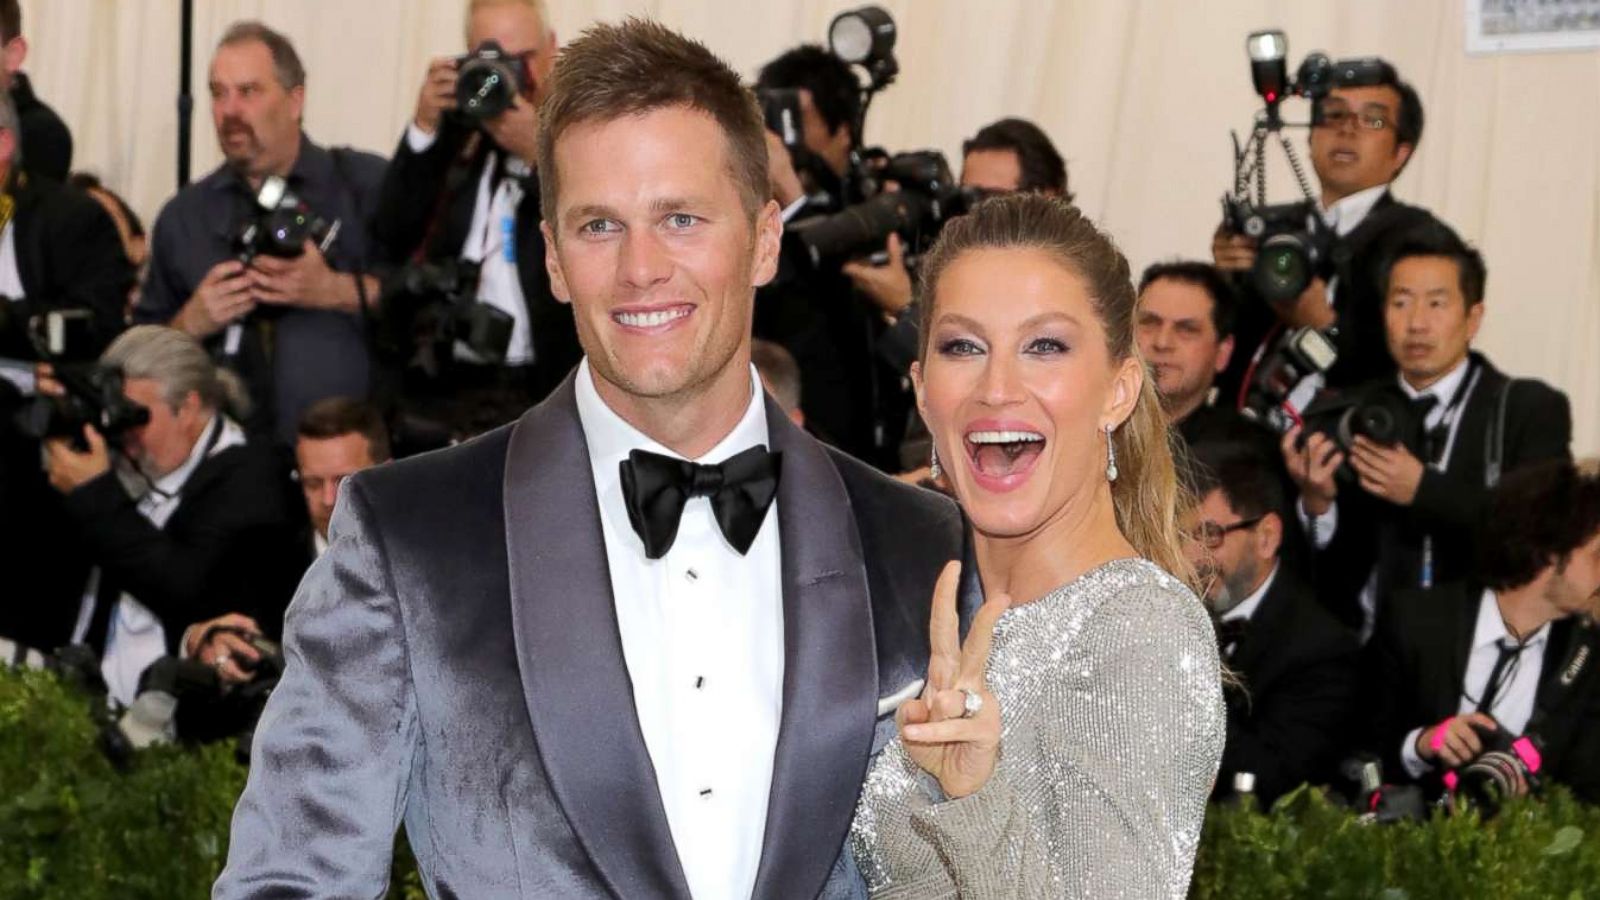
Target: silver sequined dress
point(1113, 724)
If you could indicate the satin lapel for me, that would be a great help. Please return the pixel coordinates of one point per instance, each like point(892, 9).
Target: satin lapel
point(830, 676)
point(569, 651)
point(1463, 623)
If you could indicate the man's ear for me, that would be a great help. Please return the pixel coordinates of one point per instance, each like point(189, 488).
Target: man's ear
point(768, 239)
point(1269, 537)
point(552, 264)
point(1224, 354)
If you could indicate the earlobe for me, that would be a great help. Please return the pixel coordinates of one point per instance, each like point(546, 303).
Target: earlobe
point(1224, 353)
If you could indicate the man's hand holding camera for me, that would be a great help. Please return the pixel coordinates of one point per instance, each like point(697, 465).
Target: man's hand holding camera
point(225, 644)
point(70, 468)
point(438, 94)
point(1453, 742)
point(888, 285)
point(1388, 472)
point(1313, 466)
point(223, 297)
point(305, 281)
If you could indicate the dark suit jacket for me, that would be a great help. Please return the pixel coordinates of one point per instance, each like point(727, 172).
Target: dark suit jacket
point(231, 545)
point(69, 256)
point(1359, 260)
point(454, 662)
point(425, 211)
point(46, 142)
point(1417, 665)
point(1288, 720)
point(1449, 505)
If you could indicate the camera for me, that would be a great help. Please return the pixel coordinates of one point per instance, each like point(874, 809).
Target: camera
point(93, 397)
point(928, 196)
point(1292, 241)
point(435, 306)
point(780, 109)
point(1271, 396)
point(1508, 767)
point(488, 81)
point(1381, 417)
point(280, 224)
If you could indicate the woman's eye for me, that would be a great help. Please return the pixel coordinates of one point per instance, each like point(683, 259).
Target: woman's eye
point(1048, 346)
point(959, 347)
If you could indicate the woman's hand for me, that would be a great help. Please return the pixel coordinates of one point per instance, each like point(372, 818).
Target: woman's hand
point(959, 751)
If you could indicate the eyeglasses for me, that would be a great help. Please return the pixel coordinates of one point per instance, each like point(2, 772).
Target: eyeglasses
point(1336, 117)
point(1212, 535)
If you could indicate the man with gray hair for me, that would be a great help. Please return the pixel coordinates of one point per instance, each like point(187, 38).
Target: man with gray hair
point(290, 321)
point(188, 521)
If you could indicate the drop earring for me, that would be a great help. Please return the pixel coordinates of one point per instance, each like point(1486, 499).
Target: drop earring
point(933, 464)
point(1111, 457)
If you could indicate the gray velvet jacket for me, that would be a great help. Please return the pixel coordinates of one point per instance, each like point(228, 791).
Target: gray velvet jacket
point(454, 664)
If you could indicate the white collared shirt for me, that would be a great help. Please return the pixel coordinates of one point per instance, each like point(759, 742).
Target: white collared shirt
point(1513, 703)
point(1347, 213)
point(702, 635)
point(1247, 607)
point(135, 637)
point(492, 242)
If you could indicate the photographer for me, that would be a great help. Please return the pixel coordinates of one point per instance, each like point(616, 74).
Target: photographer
point(461, 194)
point(1362, 137)
point(1296, 666)
point(46, 142)
point(1475, 664)
point(187, 520)
point(1184, 326)
point(301, 332)
point(1004, 156)
point(1404, 513)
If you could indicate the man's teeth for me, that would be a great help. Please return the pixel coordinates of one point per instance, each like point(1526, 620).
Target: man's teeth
point(651, 319)
point(1003, 437)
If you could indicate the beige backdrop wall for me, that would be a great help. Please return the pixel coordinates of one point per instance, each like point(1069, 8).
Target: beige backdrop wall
point(1140, 96)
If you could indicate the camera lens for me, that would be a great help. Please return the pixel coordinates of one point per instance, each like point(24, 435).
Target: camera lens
point(1283, 268)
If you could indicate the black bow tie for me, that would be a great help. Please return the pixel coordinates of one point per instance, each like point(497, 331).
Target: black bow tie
point(1229, 633)
point(741, 487)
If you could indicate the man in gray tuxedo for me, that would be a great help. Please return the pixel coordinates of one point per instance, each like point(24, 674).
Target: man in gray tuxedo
point(643, 641)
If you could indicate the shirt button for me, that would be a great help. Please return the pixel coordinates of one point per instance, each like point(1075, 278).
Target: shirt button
point(692, 575)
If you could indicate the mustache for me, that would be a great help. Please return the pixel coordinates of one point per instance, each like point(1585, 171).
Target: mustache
point(232, 125)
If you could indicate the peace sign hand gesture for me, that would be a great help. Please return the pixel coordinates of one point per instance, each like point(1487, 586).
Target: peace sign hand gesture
point(957, 748)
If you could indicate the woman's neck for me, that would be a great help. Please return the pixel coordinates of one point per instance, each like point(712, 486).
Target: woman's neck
point(1081, 537)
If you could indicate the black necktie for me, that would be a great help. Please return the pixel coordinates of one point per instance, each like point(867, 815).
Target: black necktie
point(741, 488)
point(1432, 445)
point(1509, 651)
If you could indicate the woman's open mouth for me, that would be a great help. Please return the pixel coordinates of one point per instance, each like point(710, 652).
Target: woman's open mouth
point(1002, 458)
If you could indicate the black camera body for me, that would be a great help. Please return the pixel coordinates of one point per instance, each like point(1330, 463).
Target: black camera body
point(1292, 244)
point(437, 304)
point(928, 196)
point(488, 81)
point(1296, 356)
point(93, 396)
point(1509, 766)
point(279, 225)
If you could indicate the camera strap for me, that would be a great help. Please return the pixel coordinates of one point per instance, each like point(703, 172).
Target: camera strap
point(1583, 645)
point(1494, 451)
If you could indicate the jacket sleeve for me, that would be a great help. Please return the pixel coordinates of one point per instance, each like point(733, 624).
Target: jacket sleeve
point(331, 763)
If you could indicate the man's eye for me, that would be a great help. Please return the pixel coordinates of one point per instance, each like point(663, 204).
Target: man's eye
point(596, 226)
point(681, 220)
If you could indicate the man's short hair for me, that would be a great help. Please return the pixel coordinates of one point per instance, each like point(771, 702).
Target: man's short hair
point(1205, 276)
point(285, 61)
point(1247, 481)
point(1043, 169)
point(637, 67)
point(1408, 118)
point(1537, 516)
point(10, 20)
point(833, 86)
point(334, 417)
point(778, 368)
point(1438, 240)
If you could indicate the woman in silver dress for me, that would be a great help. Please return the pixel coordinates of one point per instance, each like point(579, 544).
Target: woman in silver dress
point(1068, 748)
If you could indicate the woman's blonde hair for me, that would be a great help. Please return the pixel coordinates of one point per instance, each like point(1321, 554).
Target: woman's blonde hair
point(1149, 498)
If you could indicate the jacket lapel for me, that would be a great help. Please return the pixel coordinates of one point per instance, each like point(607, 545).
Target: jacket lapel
point(569, 650)
point(830, 674)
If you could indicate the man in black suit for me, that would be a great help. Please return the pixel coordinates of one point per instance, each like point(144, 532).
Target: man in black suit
point(46, 142)
point(188, 521)
point(585, 649)
point(1288, 716)
point(464, 190)
point(1363, 136)
point(1513, 648)
point(1404, 514)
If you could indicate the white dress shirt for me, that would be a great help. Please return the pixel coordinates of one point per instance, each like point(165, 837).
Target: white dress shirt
point(702, 635)
point(135, 637)
point(1513, 704)
point(492, 242)
point(1247, 607)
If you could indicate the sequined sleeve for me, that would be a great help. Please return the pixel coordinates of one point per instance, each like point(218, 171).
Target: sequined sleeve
point(1113, 733)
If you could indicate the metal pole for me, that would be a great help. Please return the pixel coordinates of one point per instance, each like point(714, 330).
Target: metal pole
point(185, 98)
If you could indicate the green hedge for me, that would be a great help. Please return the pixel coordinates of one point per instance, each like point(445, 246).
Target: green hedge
point(71, 826)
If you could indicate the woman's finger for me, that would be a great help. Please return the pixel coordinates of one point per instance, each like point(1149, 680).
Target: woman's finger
point(948, 704)
point(944, 629)
point(975, 655)
point(977, 730)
